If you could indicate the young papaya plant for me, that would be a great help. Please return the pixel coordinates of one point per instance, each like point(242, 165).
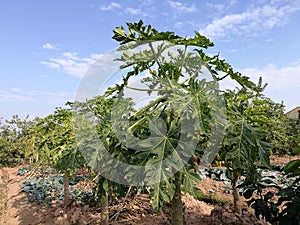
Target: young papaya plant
point(246, 142)
point(56, 146)
point(99, 127)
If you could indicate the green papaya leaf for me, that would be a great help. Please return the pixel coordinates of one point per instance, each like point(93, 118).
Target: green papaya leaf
point(292, 166)
point(248, 193)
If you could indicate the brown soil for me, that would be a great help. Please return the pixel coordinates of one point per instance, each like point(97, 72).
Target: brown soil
point(282, 160)
point(15, 210)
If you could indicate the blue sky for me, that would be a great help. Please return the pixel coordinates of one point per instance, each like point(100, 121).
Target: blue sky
point(47, 46)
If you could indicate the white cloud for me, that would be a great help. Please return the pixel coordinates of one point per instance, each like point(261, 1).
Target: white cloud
point(55, 98)
point(182, 7)
point(283, 82)
point(18, 95)
point(233, 50)
point(178, 25)
point(134, 11)
point(278, 78)
point(32, 102)
point(51, 65)
point(111, 6)
point(71, 64)
point(15, 89)
point(251, 21)
point(232, 2)
point(49, 46)
point(14, 96)
point(219, 8)
point(70, 55)
point(146, 2)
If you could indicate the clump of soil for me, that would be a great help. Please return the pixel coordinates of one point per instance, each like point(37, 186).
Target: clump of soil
point(226, 216)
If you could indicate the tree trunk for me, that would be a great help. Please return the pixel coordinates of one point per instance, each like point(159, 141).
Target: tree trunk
point(236, 195)
point(66, 189)
point(176, 203)
point(104, 210)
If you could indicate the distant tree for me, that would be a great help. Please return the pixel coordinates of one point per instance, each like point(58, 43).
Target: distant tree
point(293, 133)
point(16, 140)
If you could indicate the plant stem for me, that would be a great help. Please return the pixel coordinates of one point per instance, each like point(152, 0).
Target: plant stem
point(104, 210)
point(66, 188)
point(236, 196)
point(176, 203)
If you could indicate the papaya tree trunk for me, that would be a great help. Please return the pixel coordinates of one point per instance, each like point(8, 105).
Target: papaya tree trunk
point(176, 203)
point(66, 189)
point(104, 210)
point(237, 205)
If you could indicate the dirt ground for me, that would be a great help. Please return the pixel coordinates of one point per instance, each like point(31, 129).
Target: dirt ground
point(15, 210)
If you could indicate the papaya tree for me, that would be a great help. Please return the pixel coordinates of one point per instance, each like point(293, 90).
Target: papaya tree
point(247, 140)
point(185, 120)
point(281, 129)
point(274, 120)
point(56, 146)
point(97, 110)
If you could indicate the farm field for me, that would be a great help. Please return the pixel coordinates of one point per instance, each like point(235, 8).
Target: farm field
point(15, 209)
point(159, 141)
